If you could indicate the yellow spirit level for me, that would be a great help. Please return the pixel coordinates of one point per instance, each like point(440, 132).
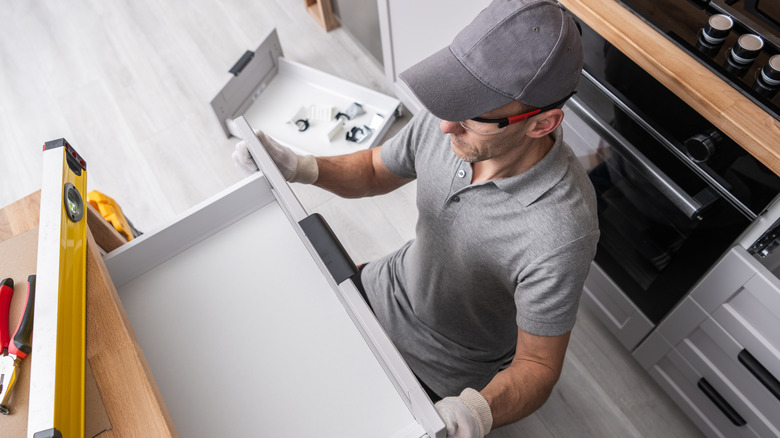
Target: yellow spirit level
point(56, 406)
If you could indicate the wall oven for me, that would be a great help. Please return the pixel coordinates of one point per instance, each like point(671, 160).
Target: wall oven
point(674, 192)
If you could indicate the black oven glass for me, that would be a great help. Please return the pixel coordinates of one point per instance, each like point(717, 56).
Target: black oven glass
point(682, 21)
point(653, 250)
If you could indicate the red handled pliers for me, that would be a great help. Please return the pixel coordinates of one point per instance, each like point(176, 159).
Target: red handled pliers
point(13, 350)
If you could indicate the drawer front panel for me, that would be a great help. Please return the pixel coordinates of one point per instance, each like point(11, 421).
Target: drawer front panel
point(678, 379)
point(759, 303)
point(768, 394)
point(766, 290)
point(731, 380)
point(682, 321)
point(754, 324)
point(652, 350)
point(726, 278)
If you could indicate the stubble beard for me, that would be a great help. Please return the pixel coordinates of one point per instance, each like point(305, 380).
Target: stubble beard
point(466, 152)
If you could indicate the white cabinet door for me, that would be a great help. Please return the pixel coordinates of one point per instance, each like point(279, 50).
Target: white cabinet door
point(621, 316)
point(412, 30)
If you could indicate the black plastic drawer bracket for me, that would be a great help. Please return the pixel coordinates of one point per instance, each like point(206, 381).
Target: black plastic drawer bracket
point(720, 402)
point(762, 374)
point(328, 247)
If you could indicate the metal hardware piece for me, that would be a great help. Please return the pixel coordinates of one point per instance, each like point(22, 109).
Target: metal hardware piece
point(351, 112)
point(357, 134)
point(302, 124)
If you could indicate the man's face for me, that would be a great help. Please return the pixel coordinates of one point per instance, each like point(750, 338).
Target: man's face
point(487, 141)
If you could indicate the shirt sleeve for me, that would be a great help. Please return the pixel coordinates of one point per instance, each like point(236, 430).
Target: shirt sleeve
point(548, 293)
point(399, 153)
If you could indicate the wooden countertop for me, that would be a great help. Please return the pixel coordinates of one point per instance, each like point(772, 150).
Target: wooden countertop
point(127, 387)
point(726, 108)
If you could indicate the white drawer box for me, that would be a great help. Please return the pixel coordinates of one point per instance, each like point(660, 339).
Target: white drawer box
point(271, 91)
point(250, 329)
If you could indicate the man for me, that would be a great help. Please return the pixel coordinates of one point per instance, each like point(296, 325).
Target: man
point(481, 303)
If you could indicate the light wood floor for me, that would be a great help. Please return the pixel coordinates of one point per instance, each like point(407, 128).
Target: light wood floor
point(128, 83)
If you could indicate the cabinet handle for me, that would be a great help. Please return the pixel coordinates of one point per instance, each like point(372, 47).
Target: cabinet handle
point(762, 374)
point(242, 62)
point(720, 402)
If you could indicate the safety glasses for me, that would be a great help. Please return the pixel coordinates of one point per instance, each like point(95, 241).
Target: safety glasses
point(483, 126)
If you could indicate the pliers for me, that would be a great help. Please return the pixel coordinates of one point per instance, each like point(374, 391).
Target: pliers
point(13, 350)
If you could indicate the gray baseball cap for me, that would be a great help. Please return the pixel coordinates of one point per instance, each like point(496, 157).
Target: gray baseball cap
point(526, 50)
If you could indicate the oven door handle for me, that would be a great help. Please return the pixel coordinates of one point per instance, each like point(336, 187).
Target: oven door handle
point(682, 200)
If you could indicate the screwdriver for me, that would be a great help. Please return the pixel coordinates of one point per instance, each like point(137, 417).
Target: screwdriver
point(18, 347)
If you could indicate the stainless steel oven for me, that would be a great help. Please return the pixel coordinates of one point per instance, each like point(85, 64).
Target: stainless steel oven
point(673, 191)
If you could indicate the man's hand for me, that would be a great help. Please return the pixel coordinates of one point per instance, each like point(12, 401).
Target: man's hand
point(466, 416)
point(294, 168)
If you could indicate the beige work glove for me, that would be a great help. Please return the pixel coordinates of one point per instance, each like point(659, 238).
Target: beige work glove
point(466, 416)
point(294, 168)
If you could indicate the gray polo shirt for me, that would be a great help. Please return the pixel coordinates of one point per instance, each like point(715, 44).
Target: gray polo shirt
point(488, 258)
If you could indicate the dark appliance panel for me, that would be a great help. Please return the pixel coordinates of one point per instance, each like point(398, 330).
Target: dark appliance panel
point(673, 192)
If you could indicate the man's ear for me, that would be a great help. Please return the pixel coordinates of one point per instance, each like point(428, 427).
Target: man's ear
point(545, 123)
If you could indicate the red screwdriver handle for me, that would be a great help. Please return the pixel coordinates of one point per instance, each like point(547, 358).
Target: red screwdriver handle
point(6, 293)
point(22, 341)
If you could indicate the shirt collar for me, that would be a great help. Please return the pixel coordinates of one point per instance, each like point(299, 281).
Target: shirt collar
point(536, 181)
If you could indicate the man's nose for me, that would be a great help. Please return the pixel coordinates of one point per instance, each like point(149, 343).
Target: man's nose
point(448, 127)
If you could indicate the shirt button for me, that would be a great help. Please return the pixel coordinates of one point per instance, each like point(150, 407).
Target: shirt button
point(461, 173)
point(456, 199)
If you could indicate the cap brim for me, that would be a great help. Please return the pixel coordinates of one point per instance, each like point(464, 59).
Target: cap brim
point(448, 90)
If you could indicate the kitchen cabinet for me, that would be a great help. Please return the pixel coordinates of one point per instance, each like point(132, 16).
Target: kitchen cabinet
point(718, 354)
